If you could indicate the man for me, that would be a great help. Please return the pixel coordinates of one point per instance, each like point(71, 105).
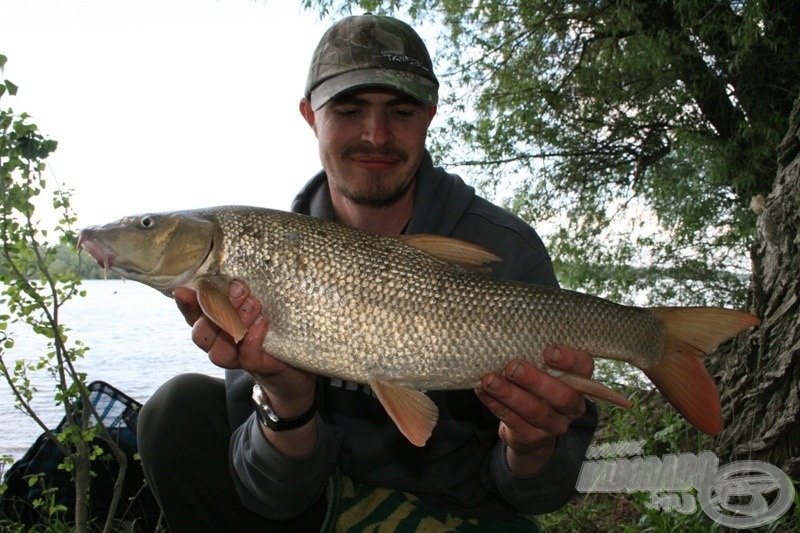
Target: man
point(216, 461)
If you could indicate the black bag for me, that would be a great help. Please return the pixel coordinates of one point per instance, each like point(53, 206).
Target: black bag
point(137, 506)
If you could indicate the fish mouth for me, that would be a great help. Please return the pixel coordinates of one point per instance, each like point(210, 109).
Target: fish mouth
point(103, 254)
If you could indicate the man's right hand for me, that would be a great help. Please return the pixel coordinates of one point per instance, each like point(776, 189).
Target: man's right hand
point(221, 348)
point(289, 390)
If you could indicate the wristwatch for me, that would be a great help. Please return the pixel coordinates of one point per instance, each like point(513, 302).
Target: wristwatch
point(270, 419)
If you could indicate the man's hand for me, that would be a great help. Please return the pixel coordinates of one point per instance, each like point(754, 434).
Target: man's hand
point(290, 391)
point(534, 407)
point(221, 348)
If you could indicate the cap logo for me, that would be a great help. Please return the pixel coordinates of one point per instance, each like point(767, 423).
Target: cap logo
point(397, 56)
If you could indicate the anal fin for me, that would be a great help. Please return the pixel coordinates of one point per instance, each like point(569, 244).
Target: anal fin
point(593, 389)
point(411, 410)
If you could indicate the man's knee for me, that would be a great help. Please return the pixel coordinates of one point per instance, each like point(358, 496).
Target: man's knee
point(179, 405)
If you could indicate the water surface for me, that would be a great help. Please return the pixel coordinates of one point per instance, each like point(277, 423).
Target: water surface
point(137, 339)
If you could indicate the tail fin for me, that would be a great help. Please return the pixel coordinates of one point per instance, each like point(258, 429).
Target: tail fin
point(680, 375)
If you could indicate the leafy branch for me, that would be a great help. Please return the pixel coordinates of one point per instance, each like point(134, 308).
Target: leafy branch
point(35, 295)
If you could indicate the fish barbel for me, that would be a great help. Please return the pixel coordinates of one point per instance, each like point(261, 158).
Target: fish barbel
point(408, 313)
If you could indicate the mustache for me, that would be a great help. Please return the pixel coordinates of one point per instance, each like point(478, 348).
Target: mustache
point(369, 150)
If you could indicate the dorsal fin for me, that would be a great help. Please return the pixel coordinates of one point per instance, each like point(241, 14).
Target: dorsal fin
point(454, 251)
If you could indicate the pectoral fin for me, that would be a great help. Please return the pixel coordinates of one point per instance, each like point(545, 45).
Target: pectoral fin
point(212, 295)
point(412, 411)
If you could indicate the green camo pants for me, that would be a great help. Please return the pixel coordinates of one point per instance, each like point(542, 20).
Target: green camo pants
point(355, 507)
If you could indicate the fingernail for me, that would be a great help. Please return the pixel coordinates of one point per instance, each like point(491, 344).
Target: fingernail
point(492, 383)
point(555, 355)
point(516, 371)
point(236, 290)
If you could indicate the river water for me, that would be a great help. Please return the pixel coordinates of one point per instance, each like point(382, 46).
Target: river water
point(137, 339)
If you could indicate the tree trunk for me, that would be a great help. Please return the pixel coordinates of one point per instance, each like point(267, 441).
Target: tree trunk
point(758, 374)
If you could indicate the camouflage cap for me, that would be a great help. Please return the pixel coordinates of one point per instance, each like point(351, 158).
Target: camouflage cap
point(371, 51)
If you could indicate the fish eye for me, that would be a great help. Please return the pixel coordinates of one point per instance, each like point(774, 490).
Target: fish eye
point(147, 221)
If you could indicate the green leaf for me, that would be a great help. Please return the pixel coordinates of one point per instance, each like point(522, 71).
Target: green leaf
point(12, 89)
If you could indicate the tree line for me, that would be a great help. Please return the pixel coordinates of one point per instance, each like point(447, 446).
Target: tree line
point(65, 259)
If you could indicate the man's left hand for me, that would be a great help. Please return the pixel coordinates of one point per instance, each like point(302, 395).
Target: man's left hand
point(534, 407)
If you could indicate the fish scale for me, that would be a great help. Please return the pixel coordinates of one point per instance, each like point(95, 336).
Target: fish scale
point(397, 313)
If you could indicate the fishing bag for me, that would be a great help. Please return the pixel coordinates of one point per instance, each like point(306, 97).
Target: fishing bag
point(137, 506)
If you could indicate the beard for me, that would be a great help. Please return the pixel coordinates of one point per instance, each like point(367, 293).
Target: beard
point(379, 190)
point(377, 194)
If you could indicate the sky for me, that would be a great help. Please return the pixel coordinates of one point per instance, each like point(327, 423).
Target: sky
point(161, 105)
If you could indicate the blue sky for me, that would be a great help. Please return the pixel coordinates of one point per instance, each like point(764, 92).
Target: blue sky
point(162, 105)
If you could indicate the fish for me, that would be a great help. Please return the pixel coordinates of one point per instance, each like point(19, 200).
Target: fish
point(406, 314)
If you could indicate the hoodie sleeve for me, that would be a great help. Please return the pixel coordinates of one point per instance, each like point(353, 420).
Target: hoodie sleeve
point(275, 485)
point(554, 485)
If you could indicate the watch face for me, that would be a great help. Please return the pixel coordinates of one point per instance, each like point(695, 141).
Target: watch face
point(267, 410)
point(270, 418)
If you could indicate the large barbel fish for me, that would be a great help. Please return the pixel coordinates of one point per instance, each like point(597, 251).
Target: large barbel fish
point(405, 314)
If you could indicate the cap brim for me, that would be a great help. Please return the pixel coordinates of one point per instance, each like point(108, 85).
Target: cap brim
point(414, 85)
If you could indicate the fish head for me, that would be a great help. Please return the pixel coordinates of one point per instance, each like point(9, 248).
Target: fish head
point(163, 251)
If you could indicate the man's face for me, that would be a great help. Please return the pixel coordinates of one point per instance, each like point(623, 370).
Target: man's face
point(371, 143)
